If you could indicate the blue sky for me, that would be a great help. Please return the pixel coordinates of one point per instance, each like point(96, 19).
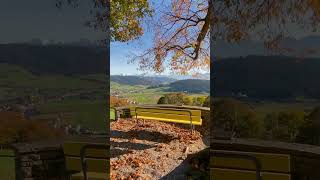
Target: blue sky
point(120, 55)
point(120, 52)
point(22, 21)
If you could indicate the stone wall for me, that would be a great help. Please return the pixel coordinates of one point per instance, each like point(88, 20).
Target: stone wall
point(38, 161)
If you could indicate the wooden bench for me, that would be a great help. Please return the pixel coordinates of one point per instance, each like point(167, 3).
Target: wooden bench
point(225, 165)
point(7, 164)
point(86, 160)
point(184, 116)
point(113, 114)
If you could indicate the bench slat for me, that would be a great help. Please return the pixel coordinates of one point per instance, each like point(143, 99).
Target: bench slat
point(227, 174)
point(166, 111)
point(91, 176)
point(171, 118)
point(7, 152)
point(269, 162)
point(73, 149)
point(94, 165)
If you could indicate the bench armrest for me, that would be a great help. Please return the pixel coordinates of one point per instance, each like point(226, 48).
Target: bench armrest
point(115, 114)
point(83, 155)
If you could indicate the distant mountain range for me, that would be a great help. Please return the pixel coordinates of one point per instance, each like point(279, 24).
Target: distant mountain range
point(259, 76)
point(141, 80)
point(68, 59)
point(167, 84)
point(223, 49)
point(190, 85)
point(267, 77)
point(55, 59)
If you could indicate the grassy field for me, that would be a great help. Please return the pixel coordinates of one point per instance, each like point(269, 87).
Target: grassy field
point(90, 114)
point(7, 165)
point(15, 82)
point(278, 106)
point(142, 94)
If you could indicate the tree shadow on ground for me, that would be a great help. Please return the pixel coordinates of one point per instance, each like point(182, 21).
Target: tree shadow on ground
point(118, 152)
point(194, 167)
point(143, 135)
point(131, 145)
point(121, 148)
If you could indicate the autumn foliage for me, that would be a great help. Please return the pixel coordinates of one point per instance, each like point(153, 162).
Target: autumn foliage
point(181, 28)
point(269, 21)
point(181, 41)
point(184, 99)
point(117, 102)
point(14, 128)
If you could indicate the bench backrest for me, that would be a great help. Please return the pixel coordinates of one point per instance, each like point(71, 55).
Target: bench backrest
point(167, 114)
point(113, 115)
point(97, 159)
point(7, 164)
point(230, 165)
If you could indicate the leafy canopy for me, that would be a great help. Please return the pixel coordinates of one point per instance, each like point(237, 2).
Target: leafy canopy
point(181, 27)
point(121, 19)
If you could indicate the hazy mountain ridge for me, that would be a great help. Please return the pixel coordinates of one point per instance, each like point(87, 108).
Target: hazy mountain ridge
point(267, 77)
point(166, 84)
point(55, 59)
point(140, 80)
point(190, 86)
point(223, 49)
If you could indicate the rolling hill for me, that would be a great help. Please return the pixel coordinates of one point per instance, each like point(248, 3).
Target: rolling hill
point(190, 86)
point(55, 59)
point(137, 83)
point(140, 80)
point(267, 77)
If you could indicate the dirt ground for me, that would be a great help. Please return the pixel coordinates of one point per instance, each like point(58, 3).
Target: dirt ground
point(153, 150)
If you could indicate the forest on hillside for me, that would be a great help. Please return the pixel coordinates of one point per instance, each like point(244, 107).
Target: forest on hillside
point(267, 77)
point(55, 59)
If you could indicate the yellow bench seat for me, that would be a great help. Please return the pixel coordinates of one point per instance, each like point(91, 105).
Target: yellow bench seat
point(227, 166)
point(177, 119)
point(95, 155)
point(91, 176)
point(228, 174)
point(168, 115)
point(269, 161)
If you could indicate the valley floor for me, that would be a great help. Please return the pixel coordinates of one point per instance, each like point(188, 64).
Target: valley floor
point(152, 150)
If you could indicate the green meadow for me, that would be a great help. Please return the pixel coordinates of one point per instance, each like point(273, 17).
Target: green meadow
point(80, 99)
point(142, 94)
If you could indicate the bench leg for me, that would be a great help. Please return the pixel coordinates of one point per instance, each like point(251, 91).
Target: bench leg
point(191, 129)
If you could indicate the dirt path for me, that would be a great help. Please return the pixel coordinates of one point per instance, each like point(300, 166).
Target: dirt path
point(152, 150)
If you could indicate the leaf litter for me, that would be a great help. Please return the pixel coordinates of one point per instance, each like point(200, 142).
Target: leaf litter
point(150, 149)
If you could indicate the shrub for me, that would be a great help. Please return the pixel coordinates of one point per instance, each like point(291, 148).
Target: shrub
point(181, 98)
point(162, 100)
point(206, 103)
point(187, 100)
point(236, 117)
point(310, 131)
point(285, 125)
point(116, 102)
